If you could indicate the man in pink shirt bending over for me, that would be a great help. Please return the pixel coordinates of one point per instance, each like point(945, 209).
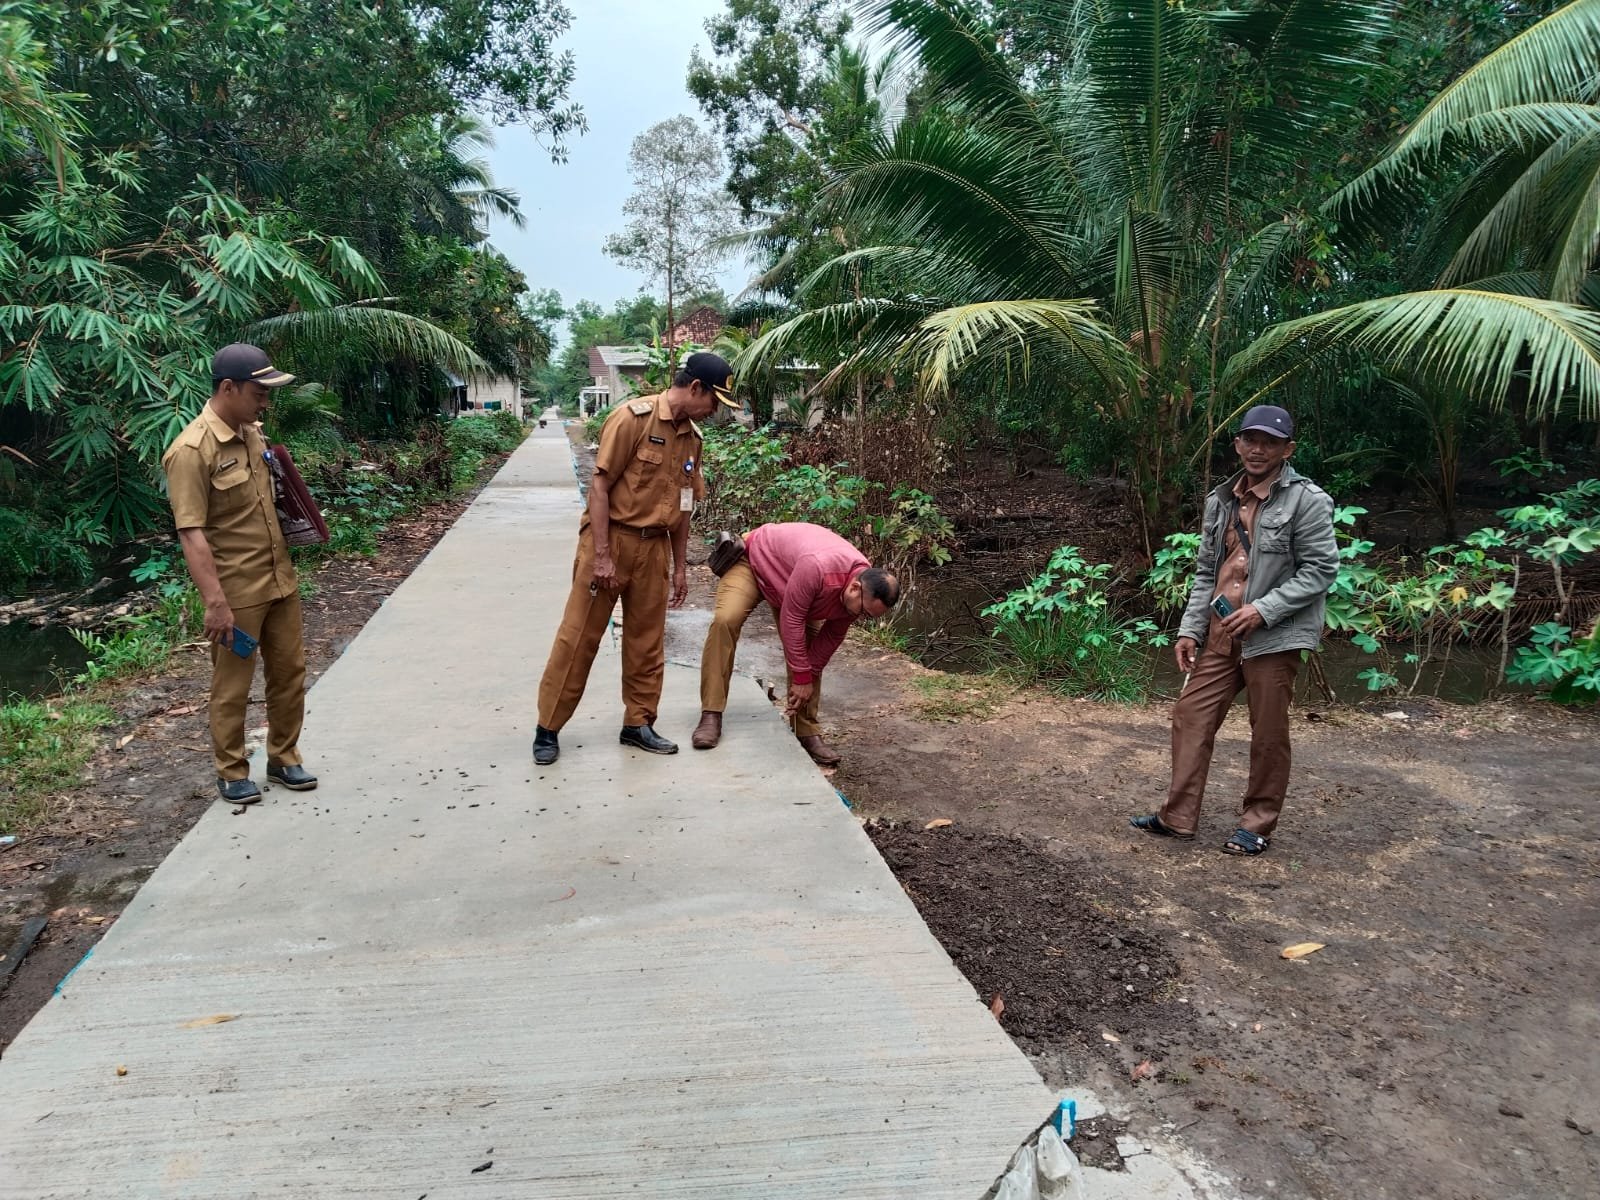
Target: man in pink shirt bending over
point(818, 584)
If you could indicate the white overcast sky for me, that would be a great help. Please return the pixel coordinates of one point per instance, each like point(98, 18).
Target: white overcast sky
point(632, 56)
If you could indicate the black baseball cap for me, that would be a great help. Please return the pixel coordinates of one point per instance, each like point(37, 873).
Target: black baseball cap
point(713, 371)
point(1269, 419)
point(244, 363)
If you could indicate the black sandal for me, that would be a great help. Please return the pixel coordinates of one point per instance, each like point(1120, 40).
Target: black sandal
point(1244, 843)
point(1152, 823)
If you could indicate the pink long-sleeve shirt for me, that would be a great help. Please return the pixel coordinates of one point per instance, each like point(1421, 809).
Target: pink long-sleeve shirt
point(802, 571)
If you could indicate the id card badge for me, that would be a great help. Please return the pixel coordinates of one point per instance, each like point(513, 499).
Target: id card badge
point(686, 499)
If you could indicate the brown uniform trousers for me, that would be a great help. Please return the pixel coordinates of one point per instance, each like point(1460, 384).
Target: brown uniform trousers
point(219, 483)
point(652, 464)
point(737, 597)
point(643, 566)
point(1218, 675)
point(283, 661)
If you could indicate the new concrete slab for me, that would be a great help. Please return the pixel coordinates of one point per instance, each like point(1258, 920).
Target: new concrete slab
point(450, 973)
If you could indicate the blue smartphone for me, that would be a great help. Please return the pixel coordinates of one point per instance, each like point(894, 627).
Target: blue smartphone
point(243, 644)
point(1221, 607)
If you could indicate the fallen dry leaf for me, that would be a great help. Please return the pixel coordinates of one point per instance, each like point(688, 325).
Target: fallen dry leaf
point(997, 1006)
point(938, 823)
point(1300, 949)
point(1140, 1071)
point(124, 740)
point(182, 710)
point(218, 1019)
point(1110, 1037)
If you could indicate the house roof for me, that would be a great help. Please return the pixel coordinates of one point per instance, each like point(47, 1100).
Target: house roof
point(701, 327)
point(602, 358)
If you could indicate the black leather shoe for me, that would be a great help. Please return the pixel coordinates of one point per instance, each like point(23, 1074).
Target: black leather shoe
point(645, 738)
point(294, 777)
point(546, 749)
point(238, 791)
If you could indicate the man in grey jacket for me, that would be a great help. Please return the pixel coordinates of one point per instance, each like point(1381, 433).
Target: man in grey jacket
point(1267, 559)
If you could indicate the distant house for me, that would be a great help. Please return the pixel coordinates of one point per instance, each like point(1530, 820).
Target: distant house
point(483, 393)
point(618, 371)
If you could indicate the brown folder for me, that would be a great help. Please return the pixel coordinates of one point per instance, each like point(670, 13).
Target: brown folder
point(297, 512)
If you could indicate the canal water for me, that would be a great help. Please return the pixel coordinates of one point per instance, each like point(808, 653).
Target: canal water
point(37, 661)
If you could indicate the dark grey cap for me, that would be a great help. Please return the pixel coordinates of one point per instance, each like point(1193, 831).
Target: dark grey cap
point(1269, 419)
point(244, 363)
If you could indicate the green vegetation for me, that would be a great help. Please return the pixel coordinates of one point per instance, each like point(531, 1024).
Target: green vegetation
point(752, 479)
point(43, 746)
point(1065, 631)
point(166, 186)
point(1118, 238)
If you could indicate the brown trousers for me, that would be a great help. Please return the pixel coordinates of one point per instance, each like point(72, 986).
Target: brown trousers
point(737, 597)
point(643, 568)
point(283, 661)
point(1268, 682)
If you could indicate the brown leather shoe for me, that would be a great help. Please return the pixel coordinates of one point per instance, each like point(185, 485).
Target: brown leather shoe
point(819, 751)
point(709, 732)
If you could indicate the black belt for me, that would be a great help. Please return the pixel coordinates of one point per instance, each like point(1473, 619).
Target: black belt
point(643, 531)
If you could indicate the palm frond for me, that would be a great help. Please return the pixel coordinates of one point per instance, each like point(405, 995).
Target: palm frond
point(953, 339)
point(375, 334)
point(1556, 59)
point(1463, 337)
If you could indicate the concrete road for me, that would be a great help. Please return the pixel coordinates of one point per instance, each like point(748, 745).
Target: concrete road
point(447, 973)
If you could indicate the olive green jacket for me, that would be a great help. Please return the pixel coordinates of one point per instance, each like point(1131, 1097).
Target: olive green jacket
point(1294, 560)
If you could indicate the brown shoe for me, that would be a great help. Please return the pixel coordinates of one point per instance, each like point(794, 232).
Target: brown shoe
point(818, 749)
point(709, 732)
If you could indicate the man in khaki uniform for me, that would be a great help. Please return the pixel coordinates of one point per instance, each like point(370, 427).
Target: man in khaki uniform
point(647, 477)
point(219, 480)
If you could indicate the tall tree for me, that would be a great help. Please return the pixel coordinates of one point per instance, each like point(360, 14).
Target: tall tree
point(678, 218)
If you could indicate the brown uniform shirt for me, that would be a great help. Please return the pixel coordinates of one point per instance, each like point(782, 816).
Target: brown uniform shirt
point(650, 460)
point(218, 481)
point(1233, 565)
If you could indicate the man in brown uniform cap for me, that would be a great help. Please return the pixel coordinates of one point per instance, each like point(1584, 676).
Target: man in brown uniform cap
point(647, 478)
point(219, 481)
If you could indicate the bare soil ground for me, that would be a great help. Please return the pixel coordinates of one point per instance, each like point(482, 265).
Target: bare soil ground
point(1445, 1043)
point(151, 778)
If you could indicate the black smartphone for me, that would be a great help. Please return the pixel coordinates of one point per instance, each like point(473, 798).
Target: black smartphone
point(1221, 607)
point(243, 644)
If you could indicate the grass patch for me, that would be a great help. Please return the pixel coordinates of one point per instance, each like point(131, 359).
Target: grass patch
point(955, 698)
point(883, 634)
point(43, 747)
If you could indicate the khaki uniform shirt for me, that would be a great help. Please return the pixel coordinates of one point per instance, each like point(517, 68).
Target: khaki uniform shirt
point(652, 463)
point(1233, 565)
point(219, 482)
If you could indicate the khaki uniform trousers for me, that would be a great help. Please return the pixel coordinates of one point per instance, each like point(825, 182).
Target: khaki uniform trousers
point(283, 661)
point(643, 569)
point(738, 594)
point(1268, 682)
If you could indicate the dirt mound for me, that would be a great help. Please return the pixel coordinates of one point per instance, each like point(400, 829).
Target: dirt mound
point(1040, 931)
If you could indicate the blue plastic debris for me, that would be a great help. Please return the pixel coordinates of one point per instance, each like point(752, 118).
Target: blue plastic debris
point(74, 971)
point(843, 797)
point(1065, 1119)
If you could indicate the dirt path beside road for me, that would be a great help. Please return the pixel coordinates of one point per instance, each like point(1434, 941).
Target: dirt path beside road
point(1445, 1043)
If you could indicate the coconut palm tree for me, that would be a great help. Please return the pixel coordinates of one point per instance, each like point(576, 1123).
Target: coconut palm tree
point(451, 186)
point(1514, 247)
point(1106, 238)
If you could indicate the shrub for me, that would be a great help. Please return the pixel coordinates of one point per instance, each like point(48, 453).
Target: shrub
point(1063, 630)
